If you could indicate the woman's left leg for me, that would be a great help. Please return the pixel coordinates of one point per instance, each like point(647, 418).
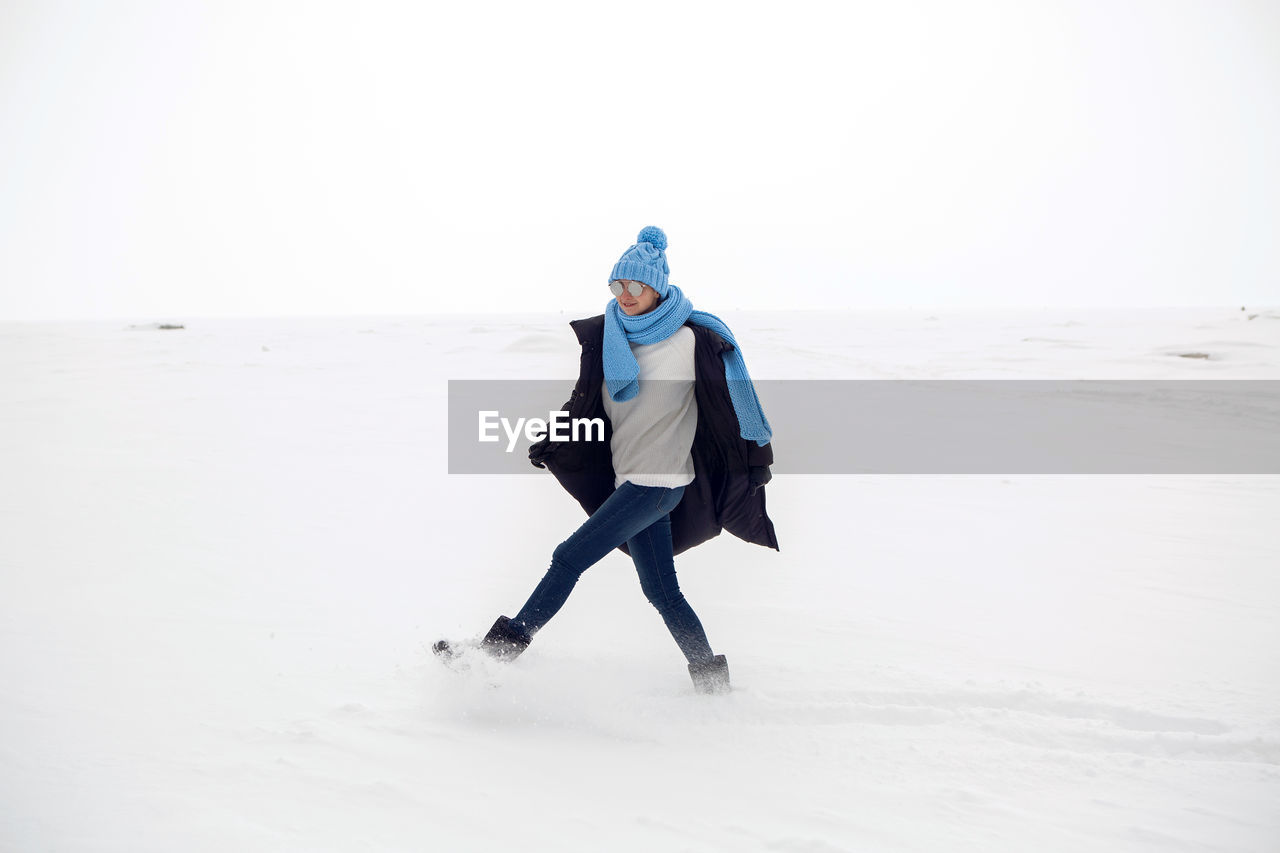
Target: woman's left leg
point(629, 509)
point(652, 553)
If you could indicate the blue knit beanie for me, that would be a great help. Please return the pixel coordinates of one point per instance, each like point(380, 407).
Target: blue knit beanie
point(645, 261)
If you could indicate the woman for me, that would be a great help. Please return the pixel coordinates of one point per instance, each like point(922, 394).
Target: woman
point(686, 452)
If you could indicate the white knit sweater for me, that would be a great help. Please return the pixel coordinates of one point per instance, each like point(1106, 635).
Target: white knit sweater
point(653, 431)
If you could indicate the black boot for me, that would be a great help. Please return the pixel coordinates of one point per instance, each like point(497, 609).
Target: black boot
point(505, 640)
point(710, 677)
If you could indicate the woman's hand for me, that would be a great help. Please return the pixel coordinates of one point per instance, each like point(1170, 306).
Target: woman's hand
point(539, 451)
point(760, 475)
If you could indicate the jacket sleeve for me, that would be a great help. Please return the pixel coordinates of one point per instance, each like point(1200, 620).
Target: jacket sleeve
point(758, 456)
point(583, 402)
point(541, 449)
point(740, 453)
point(734, 490)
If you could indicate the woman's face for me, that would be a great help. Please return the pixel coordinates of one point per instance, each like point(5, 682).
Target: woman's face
point(634, 305)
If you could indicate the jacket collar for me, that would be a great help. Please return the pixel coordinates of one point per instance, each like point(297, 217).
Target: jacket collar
point(590, 330)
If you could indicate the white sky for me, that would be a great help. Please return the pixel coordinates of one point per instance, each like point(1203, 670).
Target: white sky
point(165, 160)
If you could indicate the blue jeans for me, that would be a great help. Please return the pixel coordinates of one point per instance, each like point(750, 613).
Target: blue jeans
point(639, 516)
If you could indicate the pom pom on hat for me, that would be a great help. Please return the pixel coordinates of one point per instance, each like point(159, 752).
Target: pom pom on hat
point(654, 235)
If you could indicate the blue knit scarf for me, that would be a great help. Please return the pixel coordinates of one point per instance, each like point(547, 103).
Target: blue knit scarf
point(622, 373)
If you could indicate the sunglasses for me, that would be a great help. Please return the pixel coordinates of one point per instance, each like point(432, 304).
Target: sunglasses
point(635, 288)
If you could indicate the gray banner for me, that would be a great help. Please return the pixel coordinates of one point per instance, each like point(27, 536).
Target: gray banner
point(940, 427)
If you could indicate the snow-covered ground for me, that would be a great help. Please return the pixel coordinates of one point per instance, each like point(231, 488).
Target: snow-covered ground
point(225, 550)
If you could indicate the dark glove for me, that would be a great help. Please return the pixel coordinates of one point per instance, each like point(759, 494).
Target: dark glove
point(538, 451)
point(760, 475)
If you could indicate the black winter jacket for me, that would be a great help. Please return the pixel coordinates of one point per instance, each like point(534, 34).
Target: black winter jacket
point(719, 496)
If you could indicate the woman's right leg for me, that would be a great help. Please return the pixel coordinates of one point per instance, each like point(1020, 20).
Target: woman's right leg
point(626, 512)
point(651, 552)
